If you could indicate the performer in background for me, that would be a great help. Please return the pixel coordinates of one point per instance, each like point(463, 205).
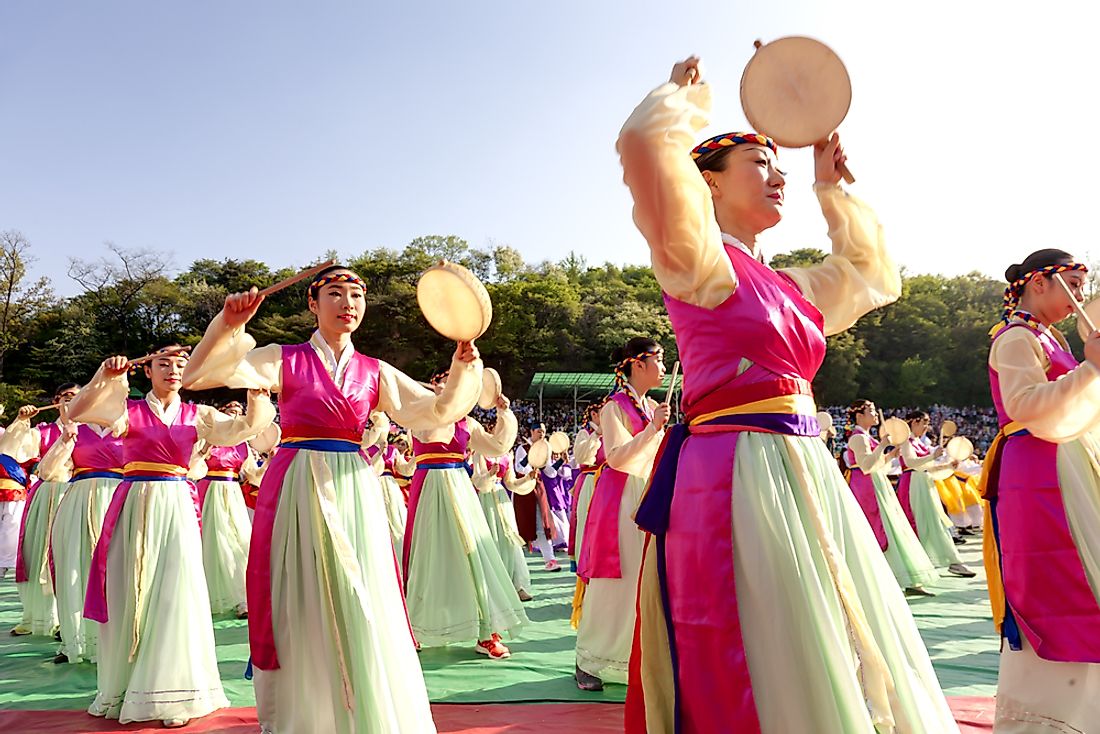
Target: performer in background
point(867, 460)
point(33, 575)
point(92, 456)
point(329, 635)
point(633, 426)
point(146, 585)
point(765, 603)
point(1041, 535)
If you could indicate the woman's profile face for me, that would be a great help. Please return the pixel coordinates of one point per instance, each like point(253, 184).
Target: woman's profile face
point(750, 189)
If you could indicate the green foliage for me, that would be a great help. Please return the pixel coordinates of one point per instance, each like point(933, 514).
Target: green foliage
point(929, 347)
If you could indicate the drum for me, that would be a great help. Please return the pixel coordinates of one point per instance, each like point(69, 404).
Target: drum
point(960, 448)
point(539, 454)
point(895, 431)
point(454, 301)
point(796, 91)
point(559, 442)
point(490, 388)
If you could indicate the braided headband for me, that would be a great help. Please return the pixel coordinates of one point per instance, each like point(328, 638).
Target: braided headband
point(728, 140)
point(350, 278)
point(1015, 289)
point(620, 368)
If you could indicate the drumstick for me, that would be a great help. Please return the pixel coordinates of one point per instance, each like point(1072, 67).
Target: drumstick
point(1076, 304)
point(295, 278)
point(150, 357)
point(672, 383)
point(48, 407)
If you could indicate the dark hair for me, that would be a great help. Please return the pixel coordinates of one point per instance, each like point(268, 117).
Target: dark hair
point(857, 407)
point(226, 403)
point(64, 387)
point(637, 345)
point(715, 160)
point(915, 415)
point(313, 292)
point(1036, 260)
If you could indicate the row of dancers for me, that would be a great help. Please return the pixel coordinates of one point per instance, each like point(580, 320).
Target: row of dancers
point(727, 569)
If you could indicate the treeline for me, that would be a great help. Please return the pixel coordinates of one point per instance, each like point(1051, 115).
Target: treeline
point(930, 347)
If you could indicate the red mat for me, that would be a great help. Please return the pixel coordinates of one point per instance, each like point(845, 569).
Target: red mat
point(975, 716)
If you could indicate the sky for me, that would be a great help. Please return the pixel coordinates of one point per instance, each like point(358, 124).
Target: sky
point(280, 130)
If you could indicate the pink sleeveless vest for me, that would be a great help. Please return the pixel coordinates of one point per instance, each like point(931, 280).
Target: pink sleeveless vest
point(863, 487)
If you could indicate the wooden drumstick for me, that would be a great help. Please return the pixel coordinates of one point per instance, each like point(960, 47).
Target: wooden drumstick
point(1076, 304)
point(309, 272)
point(672, 383)
point(150, 357)
point(49, 407)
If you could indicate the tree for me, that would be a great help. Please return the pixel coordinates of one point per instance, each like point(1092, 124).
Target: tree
point(20, 301)
point(800, 258)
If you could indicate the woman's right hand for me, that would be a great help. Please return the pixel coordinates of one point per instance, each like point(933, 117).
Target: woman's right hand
point(115, 366)
point(661, 415)
point(241, 307)
point(688, 71)
point(1092, 349)
point(27, 412)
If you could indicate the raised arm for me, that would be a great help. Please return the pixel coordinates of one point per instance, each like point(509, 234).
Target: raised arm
point(227, 357)
point(500, 441)
point(57, 464)
point(219, 429)
point(418, 408)
point(103, 400)
point(859, 276)
point(672, 203)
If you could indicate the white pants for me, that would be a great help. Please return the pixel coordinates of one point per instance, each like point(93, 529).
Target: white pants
point(11, 513)
point(560, 521)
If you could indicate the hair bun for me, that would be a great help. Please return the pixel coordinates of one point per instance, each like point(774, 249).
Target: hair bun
point(1014, 272)
point(618, 354)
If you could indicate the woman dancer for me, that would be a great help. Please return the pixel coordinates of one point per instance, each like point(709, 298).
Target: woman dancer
point(32, 571)
point(633, 426)
point(589, 454)
point(920, 500)
point(456, 585)
point(329, 636)
point(867, 459)
point(1042, 485)
point(13, 499)
point(763, 584)
point(494, 479)
point(146, 585)
point(226, 527)
point(92, 456)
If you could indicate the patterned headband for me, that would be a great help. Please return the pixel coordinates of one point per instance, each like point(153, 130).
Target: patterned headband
point(324, 280)
point(620, 369)
point(728, 140)
point(1015, 289)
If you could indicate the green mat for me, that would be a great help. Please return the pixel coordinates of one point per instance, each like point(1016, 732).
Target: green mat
point(955, 624)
